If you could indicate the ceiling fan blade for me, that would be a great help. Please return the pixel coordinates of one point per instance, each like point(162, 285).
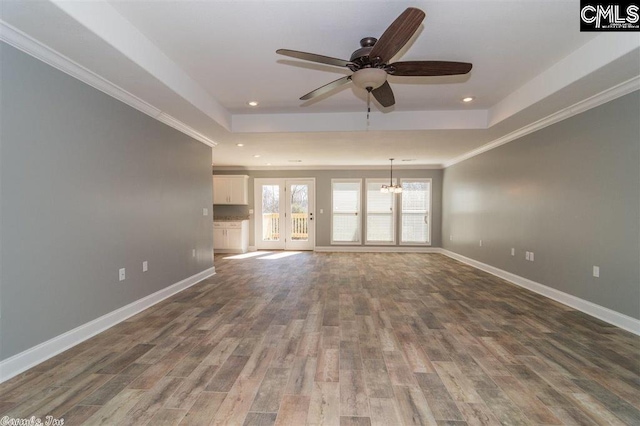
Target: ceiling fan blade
point(314, 58)
point(428, 68)
point(398, 34)
point(326, 88)
point(384, 95)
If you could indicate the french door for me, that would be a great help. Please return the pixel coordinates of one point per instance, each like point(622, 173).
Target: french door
point(284, 218)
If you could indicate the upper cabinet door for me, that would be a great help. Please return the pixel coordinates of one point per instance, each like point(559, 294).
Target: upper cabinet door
point(231, 189)
point(221, 190)
point(239, 190)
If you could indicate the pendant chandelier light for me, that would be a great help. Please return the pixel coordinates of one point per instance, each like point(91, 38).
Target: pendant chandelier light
point(395, 189)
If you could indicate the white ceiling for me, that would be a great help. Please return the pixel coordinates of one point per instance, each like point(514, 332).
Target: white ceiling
point(201, 62)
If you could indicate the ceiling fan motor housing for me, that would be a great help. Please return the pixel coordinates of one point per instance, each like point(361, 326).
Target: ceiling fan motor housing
point(360, 57)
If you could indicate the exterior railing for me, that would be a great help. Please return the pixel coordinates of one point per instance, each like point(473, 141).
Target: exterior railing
point(271, 226)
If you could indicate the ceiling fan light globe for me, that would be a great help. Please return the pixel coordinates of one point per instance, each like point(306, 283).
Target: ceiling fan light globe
point(398, 189)
point(369, 78)
point(384, 189)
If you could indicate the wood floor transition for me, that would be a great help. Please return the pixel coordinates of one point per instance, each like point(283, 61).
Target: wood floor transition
point(342, 339)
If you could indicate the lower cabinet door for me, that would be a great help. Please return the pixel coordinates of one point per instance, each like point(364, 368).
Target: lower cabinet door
point(219, 238)
point(234, 238)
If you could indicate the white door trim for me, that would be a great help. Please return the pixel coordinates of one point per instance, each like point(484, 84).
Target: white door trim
point(257, 193)
point(311, 224)
point(283, 206)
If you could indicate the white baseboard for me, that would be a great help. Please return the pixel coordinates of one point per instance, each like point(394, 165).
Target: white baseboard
point(378, 249)
point(253, 248)
point(18, 363)
point(605, 314)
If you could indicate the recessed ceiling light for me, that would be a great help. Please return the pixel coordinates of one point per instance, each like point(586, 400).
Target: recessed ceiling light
point(256, 156)
point(252, 103)
point(268, 164)
point(409, 159)
point(467, 99)
point(295, 161)
point(239, 144)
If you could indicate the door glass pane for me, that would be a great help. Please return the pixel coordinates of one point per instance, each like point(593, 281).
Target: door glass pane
point(415, 211)
point(299, 212)
point(270, 213)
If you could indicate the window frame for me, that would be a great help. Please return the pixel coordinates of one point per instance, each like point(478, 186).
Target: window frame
point(359, 212)
point(429, 214)
point(394, 217)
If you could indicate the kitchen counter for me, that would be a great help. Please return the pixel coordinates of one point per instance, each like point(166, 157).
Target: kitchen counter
point(230, 218)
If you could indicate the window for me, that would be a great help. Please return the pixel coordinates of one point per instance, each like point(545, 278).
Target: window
point(345, 211)
point(380, 213)
point(415, 206)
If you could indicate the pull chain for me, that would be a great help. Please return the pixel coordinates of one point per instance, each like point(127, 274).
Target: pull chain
point(368, 105)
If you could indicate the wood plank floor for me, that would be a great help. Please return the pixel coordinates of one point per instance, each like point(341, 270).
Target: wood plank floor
point(342, 339)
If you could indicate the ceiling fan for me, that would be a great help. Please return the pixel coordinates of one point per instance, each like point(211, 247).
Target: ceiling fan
point(370, 64)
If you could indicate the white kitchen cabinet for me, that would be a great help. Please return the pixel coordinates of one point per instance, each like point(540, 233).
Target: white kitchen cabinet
point(231, 189)
point(231, 237)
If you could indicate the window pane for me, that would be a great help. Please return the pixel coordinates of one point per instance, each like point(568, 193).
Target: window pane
point(346, 211)
point(380, 223)
point(345, 228)
point(415, 211)
point(380, 228)
point(414, 228)
point(415, 196)
point(377, 202)
point(346, 197)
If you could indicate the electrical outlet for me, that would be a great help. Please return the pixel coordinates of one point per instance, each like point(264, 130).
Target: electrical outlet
point(321, 211)
point(193, 253)
point(513, 251)
point(480, 243)
point(145, 266)
point(450, 237)
point(121, 274)
point(596, 271)
point(531, 256)
point(205, 211)
point(250, 211)
point(526, 255)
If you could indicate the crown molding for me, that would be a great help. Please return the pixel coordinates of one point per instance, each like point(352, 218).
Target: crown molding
point(603, 97)
point(180, 126)
point(285, 168)
point(44, 53)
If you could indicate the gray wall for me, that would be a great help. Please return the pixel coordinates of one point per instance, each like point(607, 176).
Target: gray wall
point(89, 185)
point(323, 196)
point(569, 193)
